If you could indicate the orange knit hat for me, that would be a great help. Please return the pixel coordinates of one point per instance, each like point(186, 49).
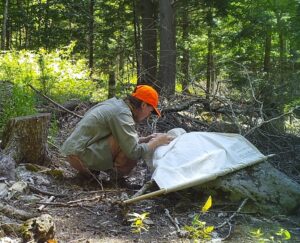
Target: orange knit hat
point(147, 94)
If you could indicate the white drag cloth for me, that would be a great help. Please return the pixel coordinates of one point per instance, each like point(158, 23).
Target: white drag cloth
point(197, 157)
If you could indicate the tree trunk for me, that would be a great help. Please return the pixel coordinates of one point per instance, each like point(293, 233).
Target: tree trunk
point(186, 55)
point(271, 191)
point(137, 41)
point(149, 43)
point(25, 139)
point(267, 57)
point(111, 85)
point(210, 73)
point(167, 64)
point(91, 35)
point(4, 27)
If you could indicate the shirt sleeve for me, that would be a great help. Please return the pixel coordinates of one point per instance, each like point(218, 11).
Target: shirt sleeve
point(123, 130)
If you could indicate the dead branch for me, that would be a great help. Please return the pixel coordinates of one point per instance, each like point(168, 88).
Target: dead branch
point(268, 121)
point(53, 102)
point(15, 213)
point(50, 199)
point(227, 221)
point(74, 203)
point(174, 222)
point(144, 188)
point(37, 190)
point(183, 106)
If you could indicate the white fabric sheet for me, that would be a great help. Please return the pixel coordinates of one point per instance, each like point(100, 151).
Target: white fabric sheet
point(197, 157)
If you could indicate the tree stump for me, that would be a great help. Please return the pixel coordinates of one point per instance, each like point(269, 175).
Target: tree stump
point(25, 139)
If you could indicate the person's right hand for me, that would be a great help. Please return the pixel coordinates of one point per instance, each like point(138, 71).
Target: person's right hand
point(159, 139)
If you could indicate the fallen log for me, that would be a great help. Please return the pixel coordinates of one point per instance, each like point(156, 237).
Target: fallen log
point(270, 191)
point(13, 212)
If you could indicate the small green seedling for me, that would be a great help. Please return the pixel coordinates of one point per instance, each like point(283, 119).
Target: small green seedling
point(281, 235)
point(198, 229)
point(138, 222)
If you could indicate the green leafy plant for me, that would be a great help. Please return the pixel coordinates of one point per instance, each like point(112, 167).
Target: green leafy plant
point(198, 229)
point(20, 103)
point(282, 235)
point(138, 222)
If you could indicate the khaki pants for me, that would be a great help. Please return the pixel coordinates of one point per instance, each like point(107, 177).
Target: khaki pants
point(122, 164)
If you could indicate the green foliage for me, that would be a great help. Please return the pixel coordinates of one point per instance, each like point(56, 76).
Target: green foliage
point(21, 103)
point(55, 73)
point(138, 222)
point(282, 235)
point(53, 130)
point(198, 229)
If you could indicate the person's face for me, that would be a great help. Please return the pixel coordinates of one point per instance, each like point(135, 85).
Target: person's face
point(144, 112)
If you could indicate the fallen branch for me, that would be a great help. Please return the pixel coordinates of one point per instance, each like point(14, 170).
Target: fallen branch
point(268, 121)
point(183, 106)
point(15, 213)
point(73, 203)
point(144, 188)
point(53, 102)
point(227, 221)
point(36, 190)
point(50, 199)
point(174, 222)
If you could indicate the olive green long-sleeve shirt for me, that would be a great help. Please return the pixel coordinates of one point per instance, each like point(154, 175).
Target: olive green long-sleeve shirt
point(89, 140)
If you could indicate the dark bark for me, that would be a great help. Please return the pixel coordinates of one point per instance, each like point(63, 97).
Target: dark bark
point(186, 55)
point(210, 73)
point(167, 64)
point(111, 85)
point(137, 38)
point(4, 26)
point(267, 56)
point(91, 35)
point(25, 139)
point(149, 43)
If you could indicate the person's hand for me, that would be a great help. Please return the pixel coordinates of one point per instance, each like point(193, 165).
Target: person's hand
point(159, 139)
point(148, 138)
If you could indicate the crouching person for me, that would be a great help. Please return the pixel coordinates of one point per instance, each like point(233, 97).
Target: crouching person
point(106, 137)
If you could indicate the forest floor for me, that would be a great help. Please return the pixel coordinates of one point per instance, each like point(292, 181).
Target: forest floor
point(89, 210)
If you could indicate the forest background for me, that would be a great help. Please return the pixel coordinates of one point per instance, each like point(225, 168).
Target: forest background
point(230, 62)
point(234, 52)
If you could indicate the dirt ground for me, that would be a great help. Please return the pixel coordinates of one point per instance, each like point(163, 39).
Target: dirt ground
point(86, 210)
point(90, 210)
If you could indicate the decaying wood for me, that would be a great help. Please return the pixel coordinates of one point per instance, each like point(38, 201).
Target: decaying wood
point(7, 167)
point(144, 188)
point(37, 190)
point(14, 212)
point(50, 199)
point(25, 139)
point(271, 191)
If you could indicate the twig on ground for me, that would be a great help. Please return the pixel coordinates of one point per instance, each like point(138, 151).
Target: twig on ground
point(34, 189)
point(227, 221)
point(53, 145)
point(174, 222)
point(50, 199)
point(86, 199)
point(74, 203)
point(144, 188)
